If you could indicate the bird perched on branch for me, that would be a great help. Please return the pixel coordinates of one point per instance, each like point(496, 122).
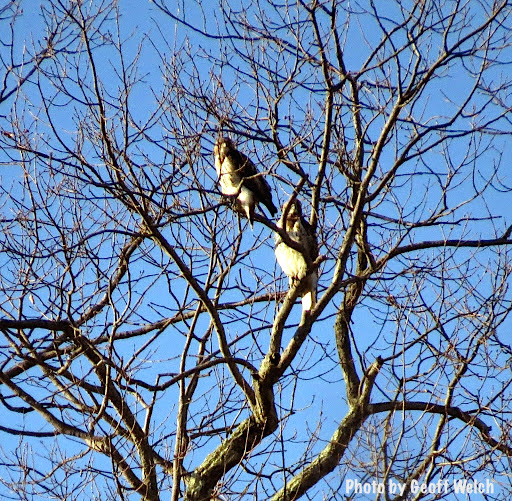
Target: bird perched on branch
point(239, 179)
point(297, 265)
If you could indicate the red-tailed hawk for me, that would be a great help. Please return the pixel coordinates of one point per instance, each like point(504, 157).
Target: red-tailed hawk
point(239, 178)
point(295, 264)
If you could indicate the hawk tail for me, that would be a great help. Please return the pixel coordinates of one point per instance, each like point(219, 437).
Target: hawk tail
point(270, 206)
point(308, 300)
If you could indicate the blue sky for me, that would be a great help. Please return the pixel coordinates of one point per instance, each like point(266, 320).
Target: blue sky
point(320, 396)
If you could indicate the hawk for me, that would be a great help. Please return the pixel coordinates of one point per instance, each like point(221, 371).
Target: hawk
point(238, 177)
point(297, 264)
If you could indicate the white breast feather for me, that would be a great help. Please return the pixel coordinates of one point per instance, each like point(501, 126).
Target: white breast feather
point(229, 179)
point(291, 261)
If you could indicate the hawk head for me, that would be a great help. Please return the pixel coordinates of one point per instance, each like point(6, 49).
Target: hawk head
point(293, 216)
point(223, 147)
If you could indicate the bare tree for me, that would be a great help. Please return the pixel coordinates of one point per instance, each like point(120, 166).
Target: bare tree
point(151, 348)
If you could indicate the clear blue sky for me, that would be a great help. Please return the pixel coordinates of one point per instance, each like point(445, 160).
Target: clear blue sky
point(323, 398)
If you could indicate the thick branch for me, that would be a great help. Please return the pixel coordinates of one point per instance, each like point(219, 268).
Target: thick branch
point(231, 452)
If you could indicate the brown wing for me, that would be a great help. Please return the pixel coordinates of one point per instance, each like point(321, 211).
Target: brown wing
point(254, 181)
point(308, 239)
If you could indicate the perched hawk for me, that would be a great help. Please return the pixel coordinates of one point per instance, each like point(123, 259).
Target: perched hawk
point(239, 178)
point(295, 263)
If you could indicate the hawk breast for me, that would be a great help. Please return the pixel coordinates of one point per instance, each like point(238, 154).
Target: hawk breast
point(291, 261)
